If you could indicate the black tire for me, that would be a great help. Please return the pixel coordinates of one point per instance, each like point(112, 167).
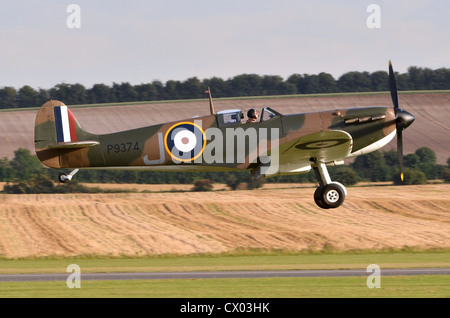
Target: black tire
point(332, 195)
point(318, 198)
point(62, 177)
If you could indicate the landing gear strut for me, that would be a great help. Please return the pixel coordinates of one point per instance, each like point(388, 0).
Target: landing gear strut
point(63, 177)
point(329, 194)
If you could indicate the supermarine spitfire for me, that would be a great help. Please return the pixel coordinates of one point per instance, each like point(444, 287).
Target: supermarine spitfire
point(276, 144)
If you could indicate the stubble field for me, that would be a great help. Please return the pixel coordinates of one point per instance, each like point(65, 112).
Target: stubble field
point(274, 217)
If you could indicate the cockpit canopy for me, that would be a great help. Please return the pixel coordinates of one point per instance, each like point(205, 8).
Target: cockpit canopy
point(229, 117)
point(232, 117)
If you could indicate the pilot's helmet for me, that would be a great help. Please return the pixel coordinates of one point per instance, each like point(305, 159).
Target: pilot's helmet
point(251, 113)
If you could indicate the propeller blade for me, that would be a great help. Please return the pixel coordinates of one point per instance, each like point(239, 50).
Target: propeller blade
point(403, 119)
point(393, 86)
point(400, 151)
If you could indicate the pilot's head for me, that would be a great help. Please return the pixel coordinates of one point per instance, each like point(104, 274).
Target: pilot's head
point(252, 113)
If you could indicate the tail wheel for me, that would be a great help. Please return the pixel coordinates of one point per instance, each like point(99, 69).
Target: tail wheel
point(62, 177)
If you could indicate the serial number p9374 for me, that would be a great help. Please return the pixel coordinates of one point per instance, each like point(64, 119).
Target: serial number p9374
point(122, 147)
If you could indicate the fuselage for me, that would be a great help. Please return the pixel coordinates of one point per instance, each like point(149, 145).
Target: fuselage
point(211, 143)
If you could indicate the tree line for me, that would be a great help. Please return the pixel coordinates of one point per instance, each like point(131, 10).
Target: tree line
point(25, 174)
point(416, 78)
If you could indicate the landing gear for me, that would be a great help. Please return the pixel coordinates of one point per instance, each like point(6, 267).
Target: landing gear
point(329, 194)
point(63, 177)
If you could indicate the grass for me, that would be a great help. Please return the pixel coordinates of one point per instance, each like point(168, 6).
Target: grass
point(423, 286)
point(324, 287)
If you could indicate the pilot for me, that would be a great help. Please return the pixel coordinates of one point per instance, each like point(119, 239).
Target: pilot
point(252, 115)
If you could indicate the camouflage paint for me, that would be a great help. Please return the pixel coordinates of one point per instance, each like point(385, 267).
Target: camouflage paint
point(132, 149)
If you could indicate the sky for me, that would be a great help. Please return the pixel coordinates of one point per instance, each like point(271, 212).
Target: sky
point(140, 41)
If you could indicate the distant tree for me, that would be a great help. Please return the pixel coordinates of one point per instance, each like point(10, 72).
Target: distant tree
point(173, 89)
point(345, 175)
point(42, 97)
point(311, 84)
point(245, 85)
point(232, 181)
point(403, 82)
point(100, 93)
point(447, 175)
point(146, 92)
point(24, 165)
point(327, 83)
point(124, 92)
point(354, 82)
point(379, 81)
point(427, 164)
point(6, 171)
point(422, 78)
point(78, 94)
point(240, 85)
point(441, 78)
point(296, 80)
point(391, 157)
point(8, 97)
point(411, 160)
point(411, 176)
point(27, 97)
point(192, 88)
point(217, 86)
point(158, 85)
point(255, 183)
point(19, 187)
point(69, 94)
point(274, 85)
point(426, 155)
point(371, 166)
point(202, 185)
point(61, 92)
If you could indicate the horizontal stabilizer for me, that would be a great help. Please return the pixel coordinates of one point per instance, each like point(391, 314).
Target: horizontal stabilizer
point(77, 144)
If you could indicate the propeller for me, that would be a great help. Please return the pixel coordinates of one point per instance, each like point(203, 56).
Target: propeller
point(402, 118)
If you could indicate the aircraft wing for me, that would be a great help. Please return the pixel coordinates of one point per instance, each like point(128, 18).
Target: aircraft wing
point(325, 146)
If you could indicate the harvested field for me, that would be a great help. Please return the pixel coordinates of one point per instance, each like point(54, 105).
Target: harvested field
point(137, 224)
point(431, 127)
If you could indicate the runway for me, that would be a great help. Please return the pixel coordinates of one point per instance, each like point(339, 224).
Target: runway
point(221, 274)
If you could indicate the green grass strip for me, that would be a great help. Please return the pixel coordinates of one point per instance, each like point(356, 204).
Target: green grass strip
point(423, 286)
point(245, 260)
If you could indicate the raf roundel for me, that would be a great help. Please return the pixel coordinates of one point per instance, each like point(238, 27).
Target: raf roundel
point(185, 141)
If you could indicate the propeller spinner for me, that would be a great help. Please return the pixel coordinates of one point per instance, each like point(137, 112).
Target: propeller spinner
point(402, 118)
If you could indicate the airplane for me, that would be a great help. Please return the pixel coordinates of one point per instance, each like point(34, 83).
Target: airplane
point(275, 144)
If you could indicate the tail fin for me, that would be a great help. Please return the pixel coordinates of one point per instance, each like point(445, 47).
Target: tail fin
point(56, 130)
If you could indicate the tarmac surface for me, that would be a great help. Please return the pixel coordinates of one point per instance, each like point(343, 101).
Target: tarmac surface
point(222, 274)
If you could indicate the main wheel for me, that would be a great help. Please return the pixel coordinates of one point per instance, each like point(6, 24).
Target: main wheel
point(318, 198)
point(332, 195)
